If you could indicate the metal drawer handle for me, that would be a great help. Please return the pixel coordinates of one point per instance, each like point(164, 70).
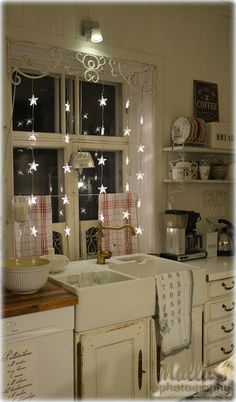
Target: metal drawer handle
point(228, 309)
point(229, 351)
point(225, 286)
point(228, 330)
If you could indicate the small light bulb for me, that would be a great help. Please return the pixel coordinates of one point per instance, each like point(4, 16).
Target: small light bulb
point(96, 35)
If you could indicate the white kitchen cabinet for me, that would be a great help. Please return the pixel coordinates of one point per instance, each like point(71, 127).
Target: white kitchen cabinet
point(218, 330)
point(185, 365)
point(37, 355)
point(113, 362)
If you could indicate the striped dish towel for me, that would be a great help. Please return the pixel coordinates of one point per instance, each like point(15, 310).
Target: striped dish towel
point(38, 216)
point(117, 210)
point(174, 305)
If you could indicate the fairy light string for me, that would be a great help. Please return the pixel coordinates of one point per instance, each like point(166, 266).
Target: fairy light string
point(32, 200)
point(67, 167)
point(140, 175)
point(101, 160)
point(127, 130)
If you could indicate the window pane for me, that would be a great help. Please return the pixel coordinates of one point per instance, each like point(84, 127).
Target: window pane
point(42, 117)
point(93, 116)
point(47, 180)
point(110, 175)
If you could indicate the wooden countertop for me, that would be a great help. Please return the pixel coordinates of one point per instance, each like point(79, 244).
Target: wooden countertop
point(49, 297)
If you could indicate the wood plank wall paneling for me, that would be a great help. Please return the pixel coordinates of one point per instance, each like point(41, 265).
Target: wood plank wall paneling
point(14, 13)
point(187, 41)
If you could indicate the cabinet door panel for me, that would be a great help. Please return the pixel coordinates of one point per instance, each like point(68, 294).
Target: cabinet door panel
point(110, 362)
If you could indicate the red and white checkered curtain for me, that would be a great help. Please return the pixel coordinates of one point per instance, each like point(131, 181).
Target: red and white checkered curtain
point(39, 216)
point(112, 207)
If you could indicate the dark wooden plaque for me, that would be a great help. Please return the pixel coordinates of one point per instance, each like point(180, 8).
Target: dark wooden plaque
point(206, 104)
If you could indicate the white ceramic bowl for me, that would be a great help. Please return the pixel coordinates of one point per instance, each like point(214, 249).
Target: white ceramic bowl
point(58, 262)
point(25, 274)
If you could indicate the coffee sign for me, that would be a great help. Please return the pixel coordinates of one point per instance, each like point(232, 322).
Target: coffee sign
point(206, 101)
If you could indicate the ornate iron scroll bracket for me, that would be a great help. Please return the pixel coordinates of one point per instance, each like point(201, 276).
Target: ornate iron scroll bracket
point(35, 61)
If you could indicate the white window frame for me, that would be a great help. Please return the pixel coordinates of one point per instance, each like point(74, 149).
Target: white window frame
point(77, 141)
point(63, 60)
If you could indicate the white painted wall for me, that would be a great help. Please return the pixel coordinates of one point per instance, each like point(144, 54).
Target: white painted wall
point(185, 41)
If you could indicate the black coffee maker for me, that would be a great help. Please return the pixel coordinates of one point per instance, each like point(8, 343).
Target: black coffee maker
point(193, 240)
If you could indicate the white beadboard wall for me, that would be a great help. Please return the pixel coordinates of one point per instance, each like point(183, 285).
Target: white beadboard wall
point(186, 41)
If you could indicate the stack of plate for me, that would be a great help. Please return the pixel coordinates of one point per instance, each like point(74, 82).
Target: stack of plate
point(188, 130)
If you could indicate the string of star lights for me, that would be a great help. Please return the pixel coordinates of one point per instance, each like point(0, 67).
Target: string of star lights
point(140, 174)
point(66, 167)
point(101, 161)
point(67, 111)
point(32, 200)
point(127, 132)
point(82, 185)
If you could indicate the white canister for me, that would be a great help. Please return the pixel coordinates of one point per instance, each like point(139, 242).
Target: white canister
point(204, 169)
point(209, 243)
point(231, 171)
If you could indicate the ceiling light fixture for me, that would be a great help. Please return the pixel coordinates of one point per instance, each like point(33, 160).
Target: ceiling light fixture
point(92, 31)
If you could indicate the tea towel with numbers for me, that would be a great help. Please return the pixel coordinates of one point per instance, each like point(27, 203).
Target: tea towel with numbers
point(37, 241)
point(174, 309)
point(117, 210)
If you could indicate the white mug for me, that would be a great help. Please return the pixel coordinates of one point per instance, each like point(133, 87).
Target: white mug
point(204, 172)
point(58, 262)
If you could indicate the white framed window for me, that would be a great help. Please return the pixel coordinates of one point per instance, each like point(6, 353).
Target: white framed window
point(131, 81)
point(52, 152)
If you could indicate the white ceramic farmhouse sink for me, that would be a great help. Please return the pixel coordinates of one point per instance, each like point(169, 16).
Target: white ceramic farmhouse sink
point(93, 278)
point(106, 297)
point(145, 266)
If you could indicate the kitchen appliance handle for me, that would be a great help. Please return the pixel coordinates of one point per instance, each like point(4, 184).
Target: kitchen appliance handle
point(227, 330)
point(228, 223)
point(227, 288)
point(229, 351)
point(228, 309)
point(140, 369)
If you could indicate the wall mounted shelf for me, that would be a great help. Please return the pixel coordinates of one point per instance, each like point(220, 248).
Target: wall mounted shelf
point(198, 181)
point(198, 150)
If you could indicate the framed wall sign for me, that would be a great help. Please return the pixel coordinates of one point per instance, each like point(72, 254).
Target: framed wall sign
point(206, 104)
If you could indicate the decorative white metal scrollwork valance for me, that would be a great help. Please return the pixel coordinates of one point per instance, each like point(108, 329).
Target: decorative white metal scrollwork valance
point(36, 61)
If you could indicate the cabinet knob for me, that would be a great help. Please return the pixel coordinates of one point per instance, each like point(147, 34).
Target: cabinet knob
point(226, 308)
point(227, 330)
point(229, 351)
point(228, 288)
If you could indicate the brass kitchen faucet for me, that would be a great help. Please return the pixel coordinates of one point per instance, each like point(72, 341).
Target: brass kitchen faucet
point(103, 255)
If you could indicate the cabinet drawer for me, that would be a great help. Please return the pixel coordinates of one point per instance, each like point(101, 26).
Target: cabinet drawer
point(220, 329)
point(219, 309)
point(223, 287)
point(218, 352)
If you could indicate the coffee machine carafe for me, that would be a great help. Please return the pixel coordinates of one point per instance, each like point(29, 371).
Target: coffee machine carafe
point(175, 222)
point(193, 241)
